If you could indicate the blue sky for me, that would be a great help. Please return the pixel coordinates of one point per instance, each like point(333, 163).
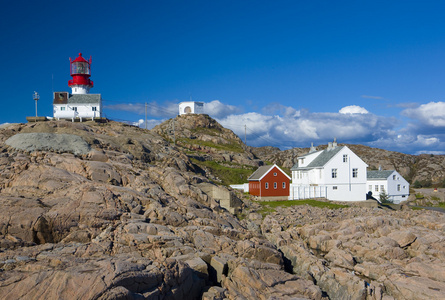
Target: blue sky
point(292, 72)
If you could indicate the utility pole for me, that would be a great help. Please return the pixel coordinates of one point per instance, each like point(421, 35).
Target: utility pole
point(36, 97)
point(145, 115)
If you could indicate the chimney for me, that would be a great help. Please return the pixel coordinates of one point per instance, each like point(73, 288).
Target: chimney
point(313, 149)
point(329, 146)
point(334, 144)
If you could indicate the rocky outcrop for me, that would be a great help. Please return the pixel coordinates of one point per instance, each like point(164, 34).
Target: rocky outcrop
point(363, 253)
point(136, 218)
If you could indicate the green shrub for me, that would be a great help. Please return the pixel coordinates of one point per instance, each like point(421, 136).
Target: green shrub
point(417, 184)
point(228, 173)
point(384, 197)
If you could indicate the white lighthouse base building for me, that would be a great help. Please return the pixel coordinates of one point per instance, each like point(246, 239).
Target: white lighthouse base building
point(78, 107)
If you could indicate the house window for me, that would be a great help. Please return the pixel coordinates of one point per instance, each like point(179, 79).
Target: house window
point(267, 185)
point(75, 108)
point(334, 187)
point(355, 172)
point(376, 188)
point(334, 173)
point(275, 185)
point(398, 187)
point(274, 174)
point(62, 108)
point(284, 185)
point(94, 108)
point(393, 177)
point(382, 188)
point(345, 158)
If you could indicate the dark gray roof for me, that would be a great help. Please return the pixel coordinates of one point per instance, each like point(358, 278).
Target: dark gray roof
point(321, 159)
point(84, 99)
point(260, 172)
point(375, 174)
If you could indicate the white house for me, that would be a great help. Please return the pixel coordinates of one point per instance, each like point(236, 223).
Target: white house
point(79, 106)
point(191, 107)
point(335, 173)
point(390, 182)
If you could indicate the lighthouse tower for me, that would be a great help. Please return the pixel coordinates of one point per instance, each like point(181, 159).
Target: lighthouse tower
point(80, 105)
point(80, 70)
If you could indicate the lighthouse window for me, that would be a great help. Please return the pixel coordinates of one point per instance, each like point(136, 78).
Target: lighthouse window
point(80, 68)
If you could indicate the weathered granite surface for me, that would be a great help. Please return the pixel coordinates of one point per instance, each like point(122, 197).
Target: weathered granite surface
point(129, 220)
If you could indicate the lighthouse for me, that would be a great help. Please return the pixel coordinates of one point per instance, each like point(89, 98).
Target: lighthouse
point(79, 105)
point(80, 70)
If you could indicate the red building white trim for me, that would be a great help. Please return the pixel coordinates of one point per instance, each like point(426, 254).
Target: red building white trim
point(269, 183)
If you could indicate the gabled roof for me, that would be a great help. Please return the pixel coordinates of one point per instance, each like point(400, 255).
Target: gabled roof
point(375, 174)
point(84, 99)
point(262, 171)
point(321, 159)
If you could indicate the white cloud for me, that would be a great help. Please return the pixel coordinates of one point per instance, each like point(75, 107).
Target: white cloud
point(353, 109)
point(150, 123)
point(216, 109)
point(305, 127)
point(423, 140)
point(431, 114)
point(285, 127)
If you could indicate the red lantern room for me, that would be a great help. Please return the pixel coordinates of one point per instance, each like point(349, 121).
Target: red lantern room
point(80, 70)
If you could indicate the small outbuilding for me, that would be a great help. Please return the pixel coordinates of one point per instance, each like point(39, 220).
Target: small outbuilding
point(389, 182)
point(191, 107)
point(269, 183)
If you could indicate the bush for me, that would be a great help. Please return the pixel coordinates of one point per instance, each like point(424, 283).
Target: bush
point(417, 184)
point(384, 197)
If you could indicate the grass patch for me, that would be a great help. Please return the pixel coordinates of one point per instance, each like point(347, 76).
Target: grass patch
point(419, 196)
point(435, 198)
point(416, 208)
point(229, 173)
point(270, 206)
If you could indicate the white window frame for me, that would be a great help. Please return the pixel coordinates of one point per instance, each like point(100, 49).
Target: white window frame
point(334, 173)
point(345, 158)
point(355, 172)
point(275, 185)
point(266, 185)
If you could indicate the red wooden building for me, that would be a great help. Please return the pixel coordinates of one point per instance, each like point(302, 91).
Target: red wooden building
point(269, 183)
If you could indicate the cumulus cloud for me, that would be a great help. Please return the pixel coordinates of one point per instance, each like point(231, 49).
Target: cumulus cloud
point(216, 109)
point(353, 109)
point(150, 123)
point(431, 114)
point(286, 127)
point(299, 129)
